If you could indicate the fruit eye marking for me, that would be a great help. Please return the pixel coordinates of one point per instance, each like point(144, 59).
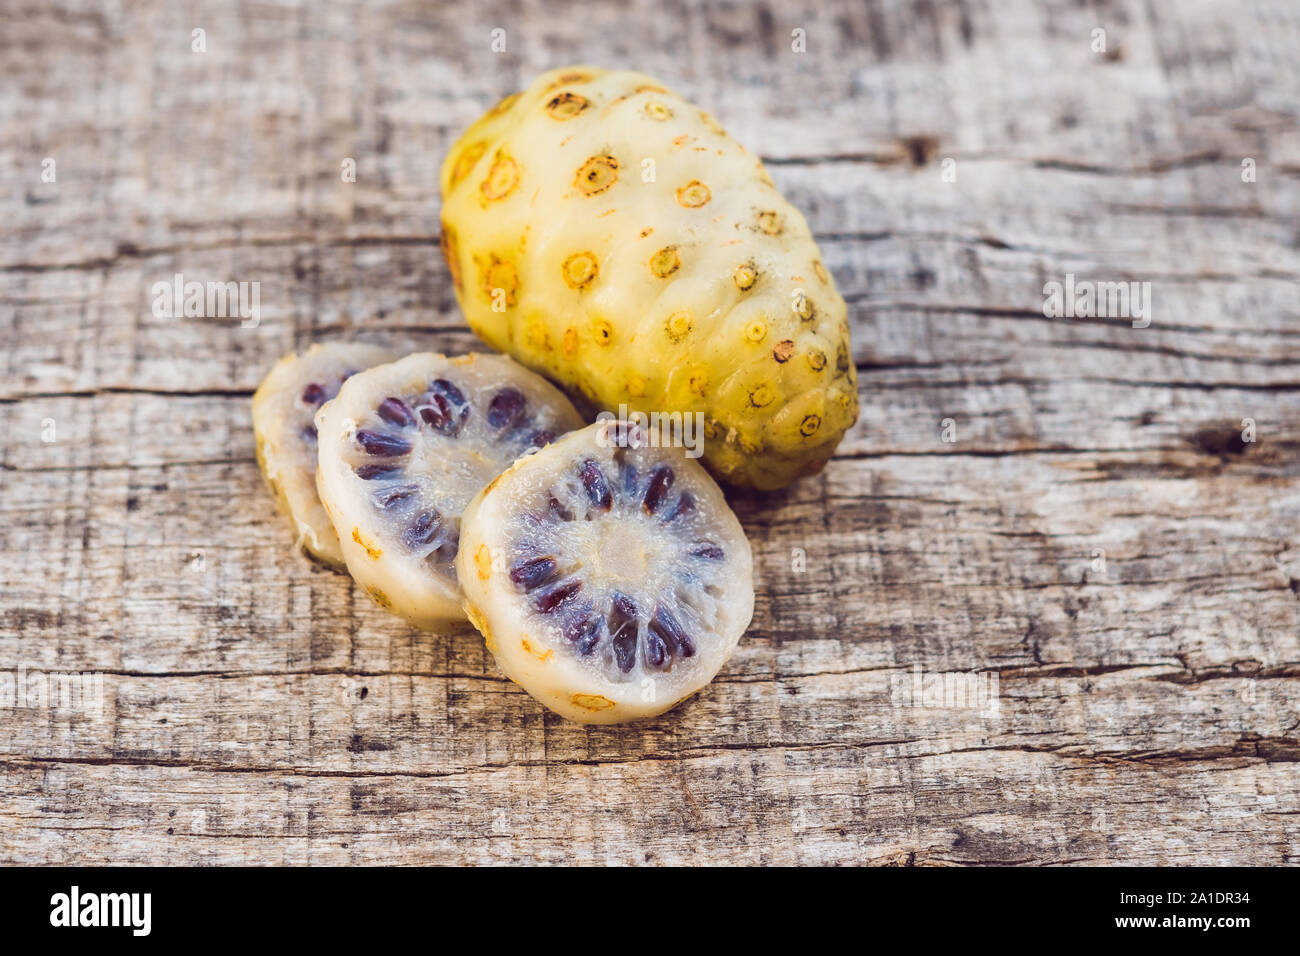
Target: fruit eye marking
point(504, 104)
point(817, 359)
point(500, 279)
point(711, 123)
point(580, 269)
point(447, 242)
point(468, 160)
point(565, 106)
point(570, 79)
point(745, 276)
point(783, 350)
point(693, 195)
point(597, 174)
point(665, 262)
point(809, 425)
point(679, 325)
point(770, 223)
point(501, 180)
point(756, 331)
point(842, 358)
point(604, 332)
point(372, 552)
point(483, 562)
point(657, 111)
point(541, 655)
point(761, 397)
point(592, 702)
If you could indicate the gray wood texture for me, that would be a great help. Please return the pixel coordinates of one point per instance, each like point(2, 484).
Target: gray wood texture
point(1098, 536)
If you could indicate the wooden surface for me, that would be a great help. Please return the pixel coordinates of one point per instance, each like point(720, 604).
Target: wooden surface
point(258, 709)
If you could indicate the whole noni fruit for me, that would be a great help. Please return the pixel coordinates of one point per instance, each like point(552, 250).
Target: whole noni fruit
point(608, 233)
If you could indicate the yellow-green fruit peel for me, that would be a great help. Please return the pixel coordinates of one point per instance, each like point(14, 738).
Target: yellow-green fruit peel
point(609, 234)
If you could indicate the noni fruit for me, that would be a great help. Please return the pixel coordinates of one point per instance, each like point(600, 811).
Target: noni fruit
point(611, 235)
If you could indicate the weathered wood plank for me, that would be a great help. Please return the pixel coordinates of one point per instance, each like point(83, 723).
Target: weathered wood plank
point(1097, 536)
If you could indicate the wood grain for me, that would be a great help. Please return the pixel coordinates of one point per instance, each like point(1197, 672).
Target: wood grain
point(1098, 535)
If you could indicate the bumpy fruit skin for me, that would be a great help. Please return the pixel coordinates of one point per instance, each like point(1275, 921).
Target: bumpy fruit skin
point(609, 234)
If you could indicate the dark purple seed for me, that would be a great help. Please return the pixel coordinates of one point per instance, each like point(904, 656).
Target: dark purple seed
point(443, 387)
point(441, 415)
point(670, 630)
point(707, 550)
point(685, 505)
point(622, 610)
point(438, 414)
point(374, 472)
point(590, 637)
point(625, 650)
point(423, 529)
point(593, 479)
point(622, 625)
point(550, 600)
point(661, 479)
point(444, 555)
point(540, 439)
point(505, 407)
point(395, 412)
point(533, 573)
point(391, 498)
point(559, 511)
point(583, 629)
point(308, 433)
point(313, 394)
point(382, 444)
point(656, 652)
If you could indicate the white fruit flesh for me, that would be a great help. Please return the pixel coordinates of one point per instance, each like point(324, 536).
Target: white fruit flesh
point(540, 527)
point(398, 527)
point(283, 413)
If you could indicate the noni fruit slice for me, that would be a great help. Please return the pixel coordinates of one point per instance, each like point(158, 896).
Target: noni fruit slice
point(609, 578)
point(611, 235)
point(405, 446)
point(284, 409)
